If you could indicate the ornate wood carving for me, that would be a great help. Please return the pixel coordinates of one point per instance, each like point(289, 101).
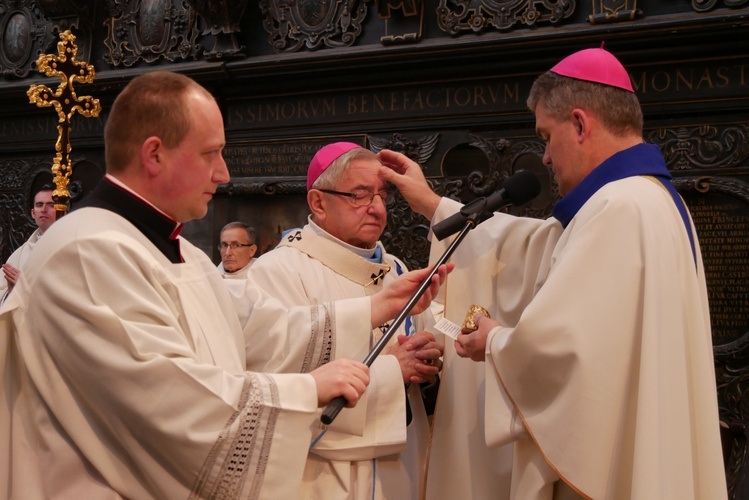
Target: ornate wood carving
point(731, 358)
point(455, 16)
point(23, 35)
point(293, 25)
point(16, 224)
point(703, 147)
point(59, 9)
point(510, 153)
point(419, 150)
point(149, 30)
point(223, 20)
point(15, 227)
point(406, 232)
point(66, 15)
point(614, 11)
point(706, 5)
point(732, 374)
point(504, 160)
point(412, 10)
point(244, 186)
point(13, 174)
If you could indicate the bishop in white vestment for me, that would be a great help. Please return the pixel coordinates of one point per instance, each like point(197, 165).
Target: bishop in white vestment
point(370, 446)
point(378, 449)
point(598, 351)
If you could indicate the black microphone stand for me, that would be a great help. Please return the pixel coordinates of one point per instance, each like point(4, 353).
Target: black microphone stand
point(336, 405)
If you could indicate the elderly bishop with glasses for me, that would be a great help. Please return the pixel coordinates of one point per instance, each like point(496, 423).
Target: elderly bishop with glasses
point(378, 450)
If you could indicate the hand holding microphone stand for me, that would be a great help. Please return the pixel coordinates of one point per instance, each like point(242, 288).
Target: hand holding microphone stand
point(517, 190)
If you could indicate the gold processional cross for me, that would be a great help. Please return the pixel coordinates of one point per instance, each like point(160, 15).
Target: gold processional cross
point(66, 102)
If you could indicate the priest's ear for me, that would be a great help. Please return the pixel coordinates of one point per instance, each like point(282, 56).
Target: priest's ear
point(580, 120)
point(317, 203)
point(151, 152)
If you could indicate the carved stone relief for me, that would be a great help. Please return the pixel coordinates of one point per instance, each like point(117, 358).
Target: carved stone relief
point(150, 30)
point(456, 16)
point(24, 34)
point(312, 23)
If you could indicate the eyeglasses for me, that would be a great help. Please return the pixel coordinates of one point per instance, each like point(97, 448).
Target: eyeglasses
point(364, 197)
point(234, 246)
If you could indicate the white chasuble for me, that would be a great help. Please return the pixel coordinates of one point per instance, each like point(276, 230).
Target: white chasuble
point(124, 377)
point(368, 451)
point(602, 374)
point(460, 463)
point(18, 260)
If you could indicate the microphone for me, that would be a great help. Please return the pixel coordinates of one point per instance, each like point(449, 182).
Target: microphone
point(518, 189)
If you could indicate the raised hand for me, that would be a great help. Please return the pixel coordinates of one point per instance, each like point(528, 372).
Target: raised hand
point(407, 176)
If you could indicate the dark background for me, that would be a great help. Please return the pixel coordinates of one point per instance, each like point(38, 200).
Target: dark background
point(444, 81)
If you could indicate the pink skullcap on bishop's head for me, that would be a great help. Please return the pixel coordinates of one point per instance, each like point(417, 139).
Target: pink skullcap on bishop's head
point(595, 65)
point(324, 157)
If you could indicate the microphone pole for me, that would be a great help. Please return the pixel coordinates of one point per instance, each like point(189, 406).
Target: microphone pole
point(336, 405)
point(518, 189)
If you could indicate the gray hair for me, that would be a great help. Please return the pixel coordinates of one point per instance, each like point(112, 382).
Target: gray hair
point(618, 109)
point(332, 175)
point(251, 236)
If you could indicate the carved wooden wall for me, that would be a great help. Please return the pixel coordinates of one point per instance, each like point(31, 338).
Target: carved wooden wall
point(443, 80)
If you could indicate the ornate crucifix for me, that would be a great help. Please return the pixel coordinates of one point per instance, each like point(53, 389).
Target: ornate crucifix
point(66, 102)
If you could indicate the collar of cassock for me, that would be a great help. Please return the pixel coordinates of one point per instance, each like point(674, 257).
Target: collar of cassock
point(163, 231)
point(641, 159)
point(372, 255)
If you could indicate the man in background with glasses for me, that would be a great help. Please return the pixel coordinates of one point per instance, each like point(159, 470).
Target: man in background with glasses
point(238, 247)
point(378, 450)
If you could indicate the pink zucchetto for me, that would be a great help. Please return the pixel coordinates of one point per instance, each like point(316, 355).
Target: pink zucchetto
point(595, 65)
point(324, 157)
